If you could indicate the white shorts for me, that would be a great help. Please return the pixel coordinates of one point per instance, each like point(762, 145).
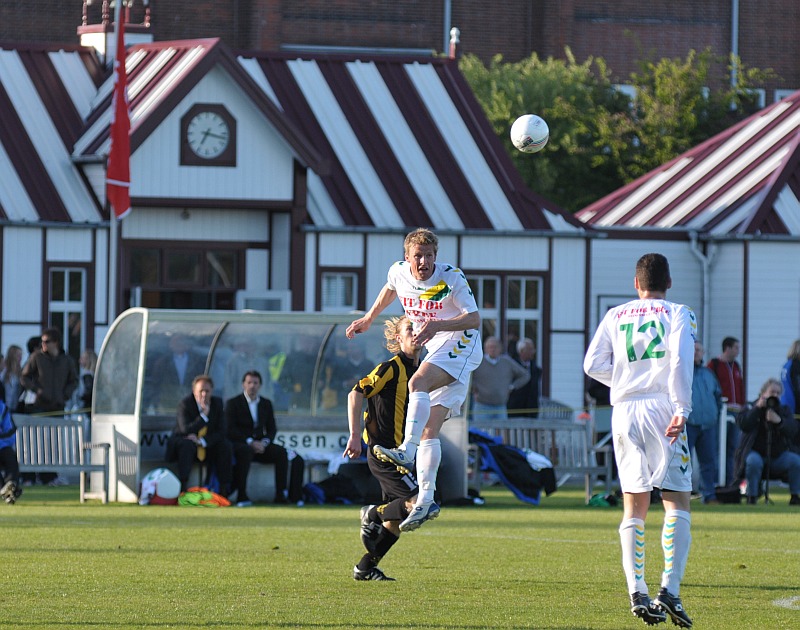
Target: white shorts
point(458, 357)
point(645, 458)
point(450, 396)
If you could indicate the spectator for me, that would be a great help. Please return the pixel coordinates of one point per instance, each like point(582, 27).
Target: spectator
point(702, 427)
point(51, 375)
point(493, 380)
point(200, 435)
point(28, 397)
point(790, 379)
point(524, 400)
point(10, 377)
point(87, 363)
point(11, 489)
point(246, 356)
point(768, 430)
point(297, 373)
point(252, 430)
point(342, 373)
point(729, 374)
point(386, 391)
point(173, 373)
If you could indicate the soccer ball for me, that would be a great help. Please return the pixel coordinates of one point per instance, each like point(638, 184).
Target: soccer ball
point(160, 487)
point(530, 133)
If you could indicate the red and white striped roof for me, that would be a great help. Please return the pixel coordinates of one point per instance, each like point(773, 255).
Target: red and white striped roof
point(390, 142)
point(745, 180)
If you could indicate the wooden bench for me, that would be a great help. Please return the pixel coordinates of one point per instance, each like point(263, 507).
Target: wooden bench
point(56, 444)
point(566, 442)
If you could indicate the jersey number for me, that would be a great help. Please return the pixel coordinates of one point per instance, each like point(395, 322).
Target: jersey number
point(650, 352)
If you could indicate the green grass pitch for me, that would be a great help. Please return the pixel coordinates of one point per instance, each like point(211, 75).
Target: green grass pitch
point(502, 565)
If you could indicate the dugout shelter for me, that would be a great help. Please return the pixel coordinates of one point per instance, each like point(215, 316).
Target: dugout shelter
point(303, 359)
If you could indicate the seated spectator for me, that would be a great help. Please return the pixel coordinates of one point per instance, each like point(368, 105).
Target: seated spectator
point(768, 431)
point(173, 372)
point(11, 488)
point(200, 434)
point(252, 430)
point(297, 373)
point(343, 373)
point(493, 380)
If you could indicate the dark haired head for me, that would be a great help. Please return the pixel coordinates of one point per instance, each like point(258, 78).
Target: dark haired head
point(652, 272)
point(53, 334)
point(729, 342)
point(254, 374)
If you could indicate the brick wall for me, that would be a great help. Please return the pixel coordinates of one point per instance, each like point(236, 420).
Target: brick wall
point(620, 31)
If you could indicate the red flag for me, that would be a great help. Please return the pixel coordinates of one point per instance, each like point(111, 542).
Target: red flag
point(118, 174)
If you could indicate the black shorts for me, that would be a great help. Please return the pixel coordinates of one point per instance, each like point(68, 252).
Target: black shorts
point(394, 484)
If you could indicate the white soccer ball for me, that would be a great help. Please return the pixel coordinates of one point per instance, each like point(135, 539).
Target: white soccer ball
point(530, 133)
point(160, 487)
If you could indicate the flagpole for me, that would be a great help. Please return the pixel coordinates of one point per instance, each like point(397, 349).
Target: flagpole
point(113, 220)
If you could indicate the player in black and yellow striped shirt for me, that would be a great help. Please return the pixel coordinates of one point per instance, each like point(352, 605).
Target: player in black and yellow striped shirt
point(386, 390)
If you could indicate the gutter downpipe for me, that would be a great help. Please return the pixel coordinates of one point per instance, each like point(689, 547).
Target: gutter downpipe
point(734, 42)
point(705, 263)
point(446, 19)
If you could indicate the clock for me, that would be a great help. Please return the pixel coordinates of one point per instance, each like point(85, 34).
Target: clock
point(208, 136)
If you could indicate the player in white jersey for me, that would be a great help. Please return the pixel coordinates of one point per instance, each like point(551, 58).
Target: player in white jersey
point(437, 299)
point(644, 350)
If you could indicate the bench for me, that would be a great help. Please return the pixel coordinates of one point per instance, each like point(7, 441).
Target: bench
point(56, 444)
point(565, 441)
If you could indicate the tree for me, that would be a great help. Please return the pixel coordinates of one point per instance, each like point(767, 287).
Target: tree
point(600, 138)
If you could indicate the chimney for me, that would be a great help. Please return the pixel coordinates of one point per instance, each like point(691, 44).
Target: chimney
point(100, 34)
point(454, 40)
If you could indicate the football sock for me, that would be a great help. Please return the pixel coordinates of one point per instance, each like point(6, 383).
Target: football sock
point(631, 535)
point(419, 408)
point(429, 456)
point(676, 538)
point(383, 543)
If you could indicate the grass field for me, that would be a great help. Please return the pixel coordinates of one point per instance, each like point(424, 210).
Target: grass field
point(502, 565)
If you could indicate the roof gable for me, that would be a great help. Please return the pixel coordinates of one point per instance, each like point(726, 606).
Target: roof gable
point(389, 142)
point(742, 181)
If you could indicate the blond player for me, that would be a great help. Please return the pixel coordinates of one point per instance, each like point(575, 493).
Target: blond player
point(644, 350)
point(437, 299)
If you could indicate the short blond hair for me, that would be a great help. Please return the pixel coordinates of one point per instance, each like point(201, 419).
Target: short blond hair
point(390, 331)
point(794, 350)
point(421, 236)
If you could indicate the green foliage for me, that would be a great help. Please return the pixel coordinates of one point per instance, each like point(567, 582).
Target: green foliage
point(599, 138)
point(503, 565)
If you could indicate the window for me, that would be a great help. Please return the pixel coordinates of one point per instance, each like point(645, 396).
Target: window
point(339, 291)
point(66, 307)
point(515, 314)
point(191, 277)
point(487, 295)
point(523, 308)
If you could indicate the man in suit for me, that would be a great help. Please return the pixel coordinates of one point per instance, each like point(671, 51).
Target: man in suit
point(200, 434)
point(173, 371)
point(251, 430)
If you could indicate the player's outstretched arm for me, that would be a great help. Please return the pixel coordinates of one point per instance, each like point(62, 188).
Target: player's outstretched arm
point(362, 324)
point(355, 402)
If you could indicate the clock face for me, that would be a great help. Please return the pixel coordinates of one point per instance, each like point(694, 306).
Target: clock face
point(208, 135)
